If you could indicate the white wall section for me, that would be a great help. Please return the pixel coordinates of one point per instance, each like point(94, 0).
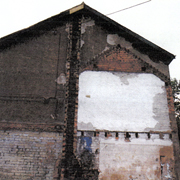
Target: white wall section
point(118, 101)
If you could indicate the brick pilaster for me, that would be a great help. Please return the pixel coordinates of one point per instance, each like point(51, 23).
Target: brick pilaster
point(69, 161)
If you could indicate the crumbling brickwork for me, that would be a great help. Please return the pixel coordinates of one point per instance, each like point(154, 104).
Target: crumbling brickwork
point(69, 162)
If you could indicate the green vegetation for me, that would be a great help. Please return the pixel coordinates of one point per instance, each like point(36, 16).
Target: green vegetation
point(176, 95)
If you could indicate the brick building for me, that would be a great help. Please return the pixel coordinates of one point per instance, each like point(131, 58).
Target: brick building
point(83, 97)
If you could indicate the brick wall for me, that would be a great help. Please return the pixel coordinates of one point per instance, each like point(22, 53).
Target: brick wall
point(29, 155)
point(121, 59)
point(32, 95)
point(31, 79)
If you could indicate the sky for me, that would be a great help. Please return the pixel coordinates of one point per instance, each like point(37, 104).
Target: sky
point(156, 20)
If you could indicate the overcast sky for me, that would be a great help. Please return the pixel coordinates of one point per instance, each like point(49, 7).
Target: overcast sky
point(156, 20)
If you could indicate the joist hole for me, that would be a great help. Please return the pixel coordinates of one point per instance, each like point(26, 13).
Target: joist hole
point(117, 135)
point(95, 134)
point(143, 68)
point(128, 135)
point(136, 134)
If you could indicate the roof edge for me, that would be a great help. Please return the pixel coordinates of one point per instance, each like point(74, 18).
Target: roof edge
point(140, 38)
point(31, 31)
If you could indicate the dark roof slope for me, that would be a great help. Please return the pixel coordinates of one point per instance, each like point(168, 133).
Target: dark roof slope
point(153, 51)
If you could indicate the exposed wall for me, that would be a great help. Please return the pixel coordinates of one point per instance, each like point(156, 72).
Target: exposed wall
point(118, 157)
point(32, 75)
point(29, 155)
point(118, 101)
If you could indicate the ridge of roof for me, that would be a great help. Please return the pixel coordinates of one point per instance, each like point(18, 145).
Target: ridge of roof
point(41, 27)
point(77, 8)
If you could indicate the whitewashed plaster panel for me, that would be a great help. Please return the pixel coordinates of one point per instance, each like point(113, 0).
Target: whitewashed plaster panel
point(117, 101)
point(139, 159)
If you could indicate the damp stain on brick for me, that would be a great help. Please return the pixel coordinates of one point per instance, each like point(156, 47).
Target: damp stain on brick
point(113, 39)
point(124, 77)
point(61, 79)
point(85, 24)
point(161, 112)
point(85, 126)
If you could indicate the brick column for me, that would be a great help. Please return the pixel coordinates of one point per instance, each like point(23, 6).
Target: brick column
point(69, 161)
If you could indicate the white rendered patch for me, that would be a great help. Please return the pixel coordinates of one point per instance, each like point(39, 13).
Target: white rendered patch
point(121, 102)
